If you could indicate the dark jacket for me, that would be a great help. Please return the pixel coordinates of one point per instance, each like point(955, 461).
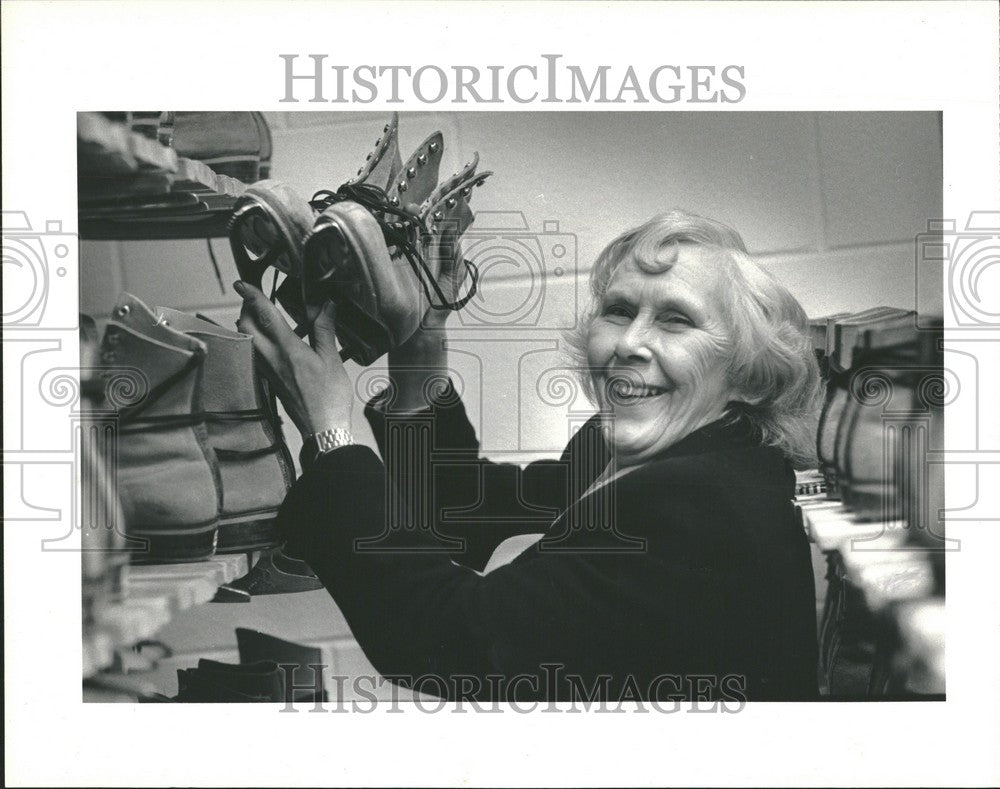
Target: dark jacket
point(687, 578)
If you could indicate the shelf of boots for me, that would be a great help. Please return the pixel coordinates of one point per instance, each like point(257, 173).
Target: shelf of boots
point(150, 596)
point(896, 581)
point(133, 188)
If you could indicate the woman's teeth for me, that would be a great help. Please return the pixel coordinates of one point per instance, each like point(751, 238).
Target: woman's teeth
point(646, 391)
point(626, 391)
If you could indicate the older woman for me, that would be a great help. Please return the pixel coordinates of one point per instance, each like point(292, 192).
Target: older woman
point(700, 586)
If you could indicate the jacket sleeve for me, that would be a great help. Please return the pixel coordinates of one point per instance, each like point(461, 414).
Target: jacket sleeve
point(433, 461)
point(414, 612)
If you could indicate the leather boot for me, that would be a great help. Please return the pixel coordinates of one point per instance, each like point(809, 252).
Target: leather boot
point(255, 647)
point(370, 255)
point(255, 466)
point(216, 682)
point(237, 144)
point(168, 481)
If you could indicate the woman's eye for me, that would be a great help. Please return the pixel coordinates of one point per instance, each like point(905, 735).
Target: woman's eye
point(616, 311)
point(677, 320)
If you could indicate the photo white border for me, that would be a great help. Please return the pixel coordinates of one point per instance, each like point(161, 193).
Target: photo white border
point(62, 57)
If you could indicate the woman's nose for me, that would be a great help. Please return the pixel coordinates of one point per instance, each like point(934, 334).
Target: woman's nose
point(633, 344)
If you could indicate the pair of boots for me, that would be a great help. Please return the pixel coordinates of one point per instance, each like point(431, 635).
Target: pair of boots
point(270, 670)
point(377, 247)
point(201, 464)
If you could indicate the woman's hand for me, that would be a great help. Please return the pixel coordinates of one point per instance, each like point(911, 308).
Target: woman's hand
point(422, 358)
point(311, 382)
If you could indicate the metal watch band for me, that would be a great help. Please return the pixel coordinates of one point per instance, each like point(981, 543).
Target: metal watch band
point(330, 439)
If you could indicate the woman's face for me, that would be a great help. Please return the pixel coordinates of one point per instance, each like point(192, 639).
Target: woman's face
point(658, 351)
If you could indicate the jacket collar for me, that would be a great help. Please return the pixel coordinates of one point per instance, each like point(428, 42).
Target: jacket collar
point(733, 430)
point(729, 432)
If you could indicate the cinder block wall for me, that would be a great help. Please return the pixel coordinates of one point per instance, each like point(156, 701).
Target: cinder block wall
point(828, 201)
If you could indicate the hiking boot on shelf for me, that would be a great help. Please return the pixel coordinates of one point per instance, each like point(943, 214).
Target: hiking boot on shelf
point(255, 466)
point(236, 144)
point(166, 475)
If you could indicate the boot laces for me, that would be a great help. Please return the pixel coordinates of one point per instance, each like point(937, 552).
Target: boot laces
point(402, 231)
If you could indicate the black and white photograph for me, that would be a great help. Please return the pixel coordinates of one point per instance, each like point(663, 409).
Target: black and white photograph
point(562, 431)
point(636, 395)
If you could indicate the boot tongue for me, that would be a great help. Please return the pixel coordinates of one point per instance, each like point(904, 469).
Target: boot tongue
point(140, 356)
point(130, 311)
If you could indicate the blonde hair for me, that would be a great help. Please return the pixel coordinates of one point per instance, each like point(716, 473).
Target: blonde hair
point(772, 364)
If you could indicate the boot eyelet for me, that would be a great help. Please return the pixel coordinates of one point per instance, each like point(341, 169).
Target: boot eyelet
point(124, 310)
point(412, 172)
point(402, 186)
point(451, 202)
point(421, 160)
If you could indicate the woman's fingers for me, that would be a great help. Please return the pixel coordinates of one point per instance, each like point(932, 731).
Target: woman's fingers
point(324, 334)
point(263, 315)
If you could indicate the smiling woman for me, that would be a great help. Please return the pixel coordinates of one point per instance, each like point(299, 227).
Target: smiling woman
point(674, 567)
point(686, 329)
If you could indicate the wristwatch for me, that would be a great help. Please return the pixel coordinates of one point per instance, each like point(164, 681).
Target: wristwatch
point(323, 442)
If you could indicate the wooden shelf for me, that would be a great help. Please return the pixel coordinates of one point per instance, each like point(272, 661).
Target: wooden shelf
point(895, 578)
point(151, 595)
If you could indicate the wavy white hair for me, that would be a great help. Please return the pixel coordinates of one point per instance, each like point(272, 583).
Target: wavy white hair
point(772, 364)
